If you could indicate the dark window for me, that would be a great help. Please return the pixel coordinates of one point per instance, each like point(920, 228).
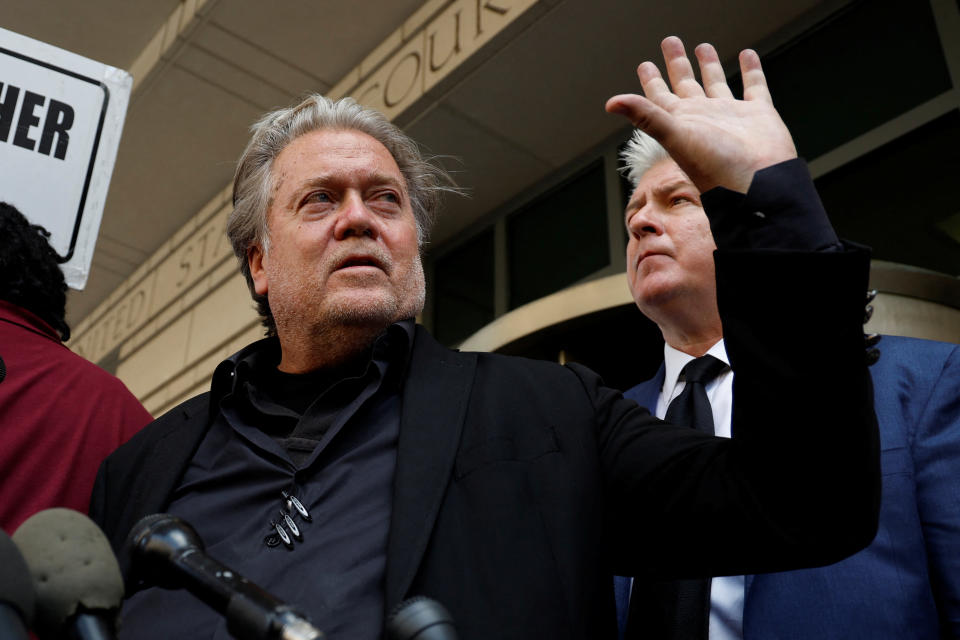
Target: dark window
point(870, 62)
point(463, 289)
point(559, 238)
point(619, 343)
point(899, 197)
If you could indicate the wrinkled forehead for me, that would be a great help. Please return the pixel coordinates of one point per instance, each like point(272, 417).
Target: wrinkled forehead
point(661, 172)
point(335, 143)
point(663, 175)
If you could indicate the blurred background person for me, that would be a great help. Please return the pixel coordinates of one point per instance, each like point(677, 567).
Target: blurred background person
point(60, 415)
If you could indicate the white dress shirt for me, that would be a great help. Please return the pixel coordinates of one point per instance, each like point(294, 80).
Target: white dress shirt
point(726, 593)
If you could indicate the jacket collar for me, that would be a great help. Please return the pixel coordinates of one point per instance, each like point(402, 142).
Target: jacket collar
point(647, 393)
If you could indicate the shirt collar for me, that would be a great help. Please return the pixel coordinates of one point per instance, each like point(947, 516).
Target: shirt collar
point(393, 346)
point(675, 360)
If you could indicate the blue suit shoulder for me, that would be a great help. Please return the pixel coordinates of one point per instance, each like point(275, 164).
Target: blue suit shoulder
point(924, 358)
point(910, 376)
point(906, 584)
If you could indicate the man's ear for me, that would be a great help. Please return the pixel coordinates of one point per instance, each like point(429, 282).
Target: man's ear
point(256, 262)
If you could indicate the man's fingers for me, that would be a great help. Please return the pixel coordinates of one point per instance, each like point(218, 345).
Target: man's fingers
point(679, 69)
point(754, 82)
point(654, 87)
point(711, 72)
point(644, 114)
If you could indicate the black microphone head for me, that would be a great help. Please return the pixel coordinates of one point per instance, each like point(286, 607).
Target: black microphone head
point(16, 583)
point(73, 568)
point(420, 618)
point(154, 541)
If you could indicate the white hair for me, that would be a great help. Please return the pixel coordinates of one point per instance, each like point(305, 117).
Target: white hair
point(641, 153)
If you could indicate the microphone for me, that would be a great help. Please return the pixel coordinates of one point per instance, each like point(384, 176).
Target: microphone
point(17, 597)
point(420, 618)
point(75, 575)
point(169, 551)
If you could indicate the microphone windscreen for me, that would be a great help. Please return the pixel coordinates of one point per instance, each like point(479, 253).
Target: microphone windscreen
point(72, 565)
point(16, 584)
point(420, 618)
point(152, 545)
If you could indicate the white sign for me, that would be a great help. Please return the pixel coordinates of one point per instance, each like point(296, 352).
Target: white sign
point(61, 116)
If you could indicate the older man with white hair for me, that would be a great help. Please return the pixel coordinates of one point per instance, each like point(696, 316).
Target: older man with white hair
point(906, 584)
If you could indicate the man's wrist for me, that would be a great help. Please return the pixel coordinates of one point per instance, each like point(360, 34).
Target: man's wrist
point(781, 210)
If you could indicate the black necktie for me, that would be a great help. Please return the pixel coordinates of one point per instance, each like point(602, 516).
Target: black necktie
point(678, 609)
point(692, 407)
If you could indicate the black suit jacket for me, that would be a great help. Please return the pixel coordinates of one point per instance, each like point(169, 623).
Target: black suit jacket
point(521, 485)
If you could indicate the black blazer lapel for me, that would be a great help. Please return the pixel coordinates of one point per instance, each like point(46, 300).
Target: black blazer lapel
point(435, 397)
point(150, 475)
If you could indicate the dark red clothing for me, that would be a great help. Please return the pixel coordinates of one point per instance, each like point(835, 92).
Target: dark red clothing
point(60, 416)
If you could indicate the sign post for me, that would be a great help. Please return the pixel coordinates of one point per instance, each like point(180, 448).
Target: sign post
point(61, 116)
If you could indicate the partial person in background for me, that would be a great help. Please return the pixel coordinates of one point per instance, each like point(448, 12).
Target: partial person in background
point(60, 415)
point(906, 584)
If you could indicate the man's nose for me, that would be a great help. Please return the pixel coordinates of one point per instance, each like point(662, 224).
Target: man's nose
point(645, 221)
point(355, 219)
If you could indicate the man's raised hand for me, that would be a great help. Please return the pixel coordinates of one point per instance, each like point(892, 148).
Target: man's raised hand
point(715, 138)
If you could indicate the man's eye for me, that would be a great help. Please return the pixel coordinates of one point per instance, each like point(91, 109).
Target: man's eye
point(675, 200)
point(318, 196)
point(389, 196)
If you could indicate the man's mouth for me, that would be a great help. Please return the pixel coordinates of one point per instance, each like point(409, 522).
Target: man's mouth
point(647, 254)
point(360, 261)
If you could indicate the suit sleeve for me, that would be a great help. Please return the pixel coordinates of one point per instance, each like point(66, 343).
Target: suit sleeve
point(781, 211)
point(798, 485)
point(98, 502)
point(936, 452)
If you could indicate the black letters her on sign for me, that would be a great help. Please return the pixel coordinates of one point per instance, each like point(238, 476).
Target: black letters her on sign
point(27, 119)
point(56, 123)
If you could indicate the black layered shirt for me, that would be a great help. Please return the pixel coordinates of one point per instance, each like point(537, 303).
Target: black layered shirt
point(326, 440)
